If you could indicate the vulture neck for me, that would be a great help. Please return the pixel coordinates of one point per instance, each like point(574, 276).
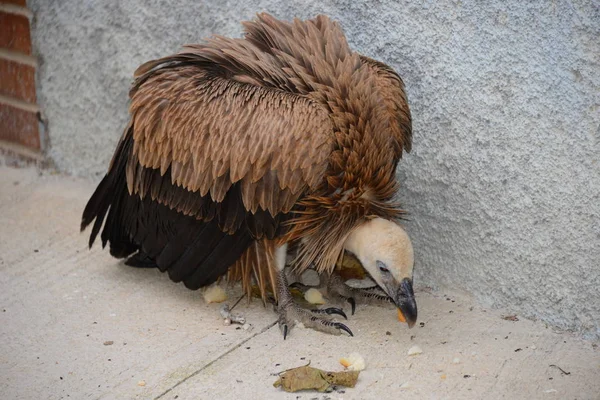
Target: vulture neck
point(361, 241)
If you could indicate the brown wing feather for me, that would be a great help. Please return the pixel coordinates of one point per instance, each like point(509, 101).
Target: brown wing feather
point(391, 88)
point(213, 132)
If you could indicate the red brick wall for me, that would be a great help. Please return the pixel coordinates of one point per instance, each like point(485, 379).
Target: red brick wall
point(14, 32)
point(19, 123)
point(17, 2)
point(18, 80)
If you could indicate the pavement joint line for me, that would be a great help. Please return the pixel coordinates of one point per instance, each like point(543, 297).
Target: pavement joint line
point(237, 346)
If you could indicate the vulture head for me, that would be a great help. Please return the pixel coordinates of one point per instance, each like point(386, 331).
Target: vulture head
point(385, 251)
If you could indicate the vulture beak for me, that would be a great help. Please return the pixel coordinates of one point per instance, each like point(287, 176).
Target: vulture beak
point(405, 301)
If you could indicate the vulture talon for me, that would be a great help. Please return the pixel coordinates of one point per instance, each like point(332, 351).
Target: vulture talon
point(285, 331)
point(330, 311)
point(343, 328)
point(352, 303)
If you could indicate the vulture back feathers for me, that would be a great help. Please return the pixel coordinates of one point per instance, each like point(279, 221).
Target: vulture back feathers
point(236, 146)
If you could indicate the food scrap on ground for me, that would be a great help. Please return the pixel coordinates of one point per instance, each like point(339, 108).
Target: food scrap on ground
point(413, 351)
point(309, 378)
point(214, 294)
point(354, 362)
point(314, 296)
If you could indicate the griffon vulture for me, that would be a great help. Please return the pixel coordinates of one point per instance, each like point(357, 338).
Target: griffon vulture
point(240, 150)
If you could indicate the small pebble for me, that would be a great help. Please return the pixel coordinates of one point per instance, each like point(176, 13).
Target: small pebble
point(142, 383)
point(405, 385)
point(533, 347)
point(456, 360)
point(246, 327)
point(413, 351)
point(108, 343)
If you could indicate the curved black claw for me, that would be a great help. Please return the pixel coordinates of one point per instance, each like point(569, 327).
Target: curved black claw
point(343, 327)
point(352, 303)
point(330, 311)
point(285, 331)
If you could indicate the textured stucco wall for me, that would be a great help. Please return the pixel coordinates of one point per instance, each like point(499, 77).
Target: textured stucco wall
point(503, 183)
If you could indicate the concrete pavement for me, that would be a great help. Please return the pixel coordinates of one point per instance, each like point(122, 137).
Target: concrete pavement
point(78, 324)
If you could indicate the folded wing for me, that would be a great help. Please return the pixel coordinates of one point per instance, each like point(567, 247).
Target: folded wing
point(208, 164)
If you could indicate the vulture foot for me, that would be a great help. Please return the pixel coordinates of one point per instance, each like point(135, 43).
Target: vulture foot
point(302, 288)
point(291, 313)
point(337, 289)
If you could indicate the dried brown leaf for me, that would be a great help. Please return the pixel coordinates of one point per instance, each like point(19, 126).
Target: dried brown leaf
point(309, 378)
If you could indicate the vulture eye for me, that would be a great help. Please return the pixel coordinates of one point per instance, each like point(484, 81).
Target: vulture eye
point(382, 267)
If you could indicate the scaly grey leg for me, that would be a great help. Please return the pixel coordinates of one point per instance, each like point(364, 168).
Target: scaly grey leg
point(290, 313)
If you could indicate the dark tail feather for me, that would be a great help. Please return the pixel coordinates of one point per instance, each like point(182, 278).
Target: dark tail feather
point(108, 193)
point(96, 208)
